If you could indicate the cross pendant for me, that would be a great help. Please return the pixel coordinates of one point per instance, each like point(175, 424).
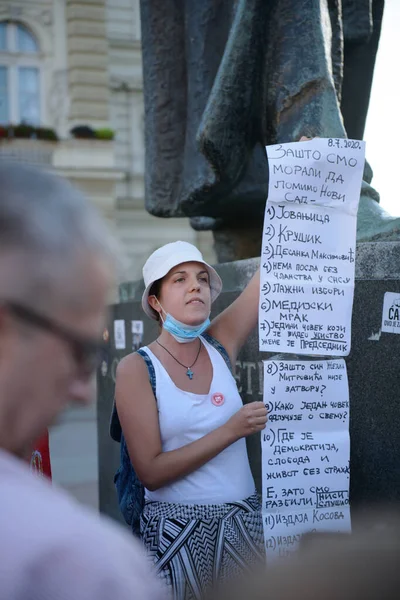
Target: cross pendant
point(189, 373)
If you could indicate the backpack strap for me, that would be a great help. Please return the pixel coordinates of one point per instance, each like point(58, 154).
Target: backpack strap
point(218, 346)
point(150, 369)
point(115, 425)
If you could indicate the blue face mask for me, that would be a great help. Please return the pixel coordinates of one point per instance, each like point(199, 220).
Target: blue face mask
point(180, 331)
point(184, 333)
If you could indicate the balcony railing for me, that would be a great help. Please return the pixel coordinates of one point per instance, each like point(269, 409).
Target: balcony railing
point(90, 164)
point(36, 152)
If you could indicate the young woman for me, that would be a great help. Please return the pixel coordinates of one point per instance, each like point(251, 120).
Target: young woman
point(201, 522)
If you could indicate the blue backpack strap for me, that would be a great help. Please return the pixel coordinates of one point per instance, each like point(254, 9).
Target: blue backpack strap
point(115, 426)
point(218, 346)
point(130, 490)
point(150, 368)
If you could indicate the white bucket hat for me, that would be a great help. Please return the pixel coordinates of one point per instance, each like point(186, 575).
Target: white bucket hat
point(164, 259)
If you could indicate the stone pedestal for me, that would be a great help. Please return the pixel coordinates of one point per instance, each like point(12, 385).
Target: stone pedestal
point(373, 372)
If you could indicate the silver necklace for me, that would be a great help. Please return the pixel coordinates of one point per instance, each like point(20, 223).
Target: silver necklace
point(189, 371)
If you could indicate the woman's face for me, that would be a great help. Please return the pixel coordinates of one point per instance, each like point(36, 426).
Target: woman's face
point(185, 293)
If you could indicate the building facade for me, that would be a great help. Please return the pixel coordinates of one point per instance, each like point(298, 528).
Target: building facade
point(69, 63)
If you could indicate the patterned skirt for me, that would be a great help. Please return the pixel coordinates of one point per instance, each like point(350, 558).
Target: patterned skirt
point(195, 547)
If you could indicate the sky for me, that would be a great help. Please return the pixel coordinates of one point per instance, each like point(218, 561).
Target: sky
point(382, 133)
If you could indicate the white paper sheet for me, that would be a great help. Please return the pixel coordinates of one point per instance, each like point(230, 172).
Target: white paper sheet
point(119, 334)
point(305, 451)
point(137, 334)
point(391, 313)
point(137, 327)
point(308, 248)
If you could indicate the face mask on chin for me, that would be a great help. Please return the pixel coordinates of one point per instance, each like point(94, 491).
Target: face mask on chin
point(181, 332)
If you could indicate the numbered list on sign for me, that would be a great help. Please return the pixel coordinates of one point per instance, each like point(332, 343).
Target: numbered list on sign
point(305, 452)
point(308, 247)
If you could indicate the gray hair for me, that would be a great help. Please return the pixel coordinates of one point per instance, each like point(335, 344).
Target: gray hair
point(49, 223)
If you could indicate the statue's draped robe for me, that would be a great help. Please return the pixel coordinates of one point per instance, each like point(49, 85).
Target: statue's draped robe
point(222, 79)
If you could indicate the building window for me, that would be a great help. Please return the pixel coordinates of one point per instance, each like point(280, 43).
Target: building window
point(19, 75)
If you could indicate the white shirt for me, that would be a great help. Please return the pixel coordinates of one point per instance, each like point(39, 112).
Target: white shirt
point(52, 548)
point(185, 417)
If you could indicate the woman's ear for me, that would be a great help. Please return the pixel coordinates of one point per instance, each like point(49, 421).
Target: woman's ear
point(154, 304)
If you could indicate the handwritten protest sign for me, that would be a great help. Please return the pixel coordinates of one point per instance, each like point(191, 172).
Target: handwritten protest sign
point(305, 451)
point(308, 248)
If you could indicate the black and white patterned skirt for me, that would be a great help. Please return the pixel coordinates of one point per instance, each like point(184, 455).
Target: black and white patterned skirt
point(194, 547)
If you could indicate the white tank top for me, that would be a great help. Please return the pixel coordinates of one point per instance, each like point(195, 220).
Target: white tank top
point(185, 417)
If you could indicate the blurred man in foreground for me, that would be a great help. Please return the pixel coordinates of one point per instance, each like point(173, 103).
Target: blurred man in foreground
point(56, 265)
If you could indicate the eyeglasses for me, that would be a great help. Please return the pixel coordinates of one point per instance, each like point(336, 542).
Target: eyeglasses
point(86, 353)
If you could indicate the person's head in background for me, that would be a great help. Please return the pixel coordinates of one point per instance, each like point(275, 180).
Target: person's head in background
point(362, 566)
point(56, 271)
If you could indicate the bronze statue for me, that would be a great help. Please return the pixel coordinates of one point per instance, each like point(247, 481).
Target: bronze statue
point(224, 78)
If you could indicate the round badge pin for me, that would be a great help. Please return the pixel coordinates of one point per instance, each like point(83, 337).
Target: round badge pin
point(218, 399)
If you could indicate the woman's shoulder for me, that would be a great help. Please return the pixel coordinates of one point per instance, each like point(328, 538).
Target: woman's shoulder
point(134, 378)
point(132, 365)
